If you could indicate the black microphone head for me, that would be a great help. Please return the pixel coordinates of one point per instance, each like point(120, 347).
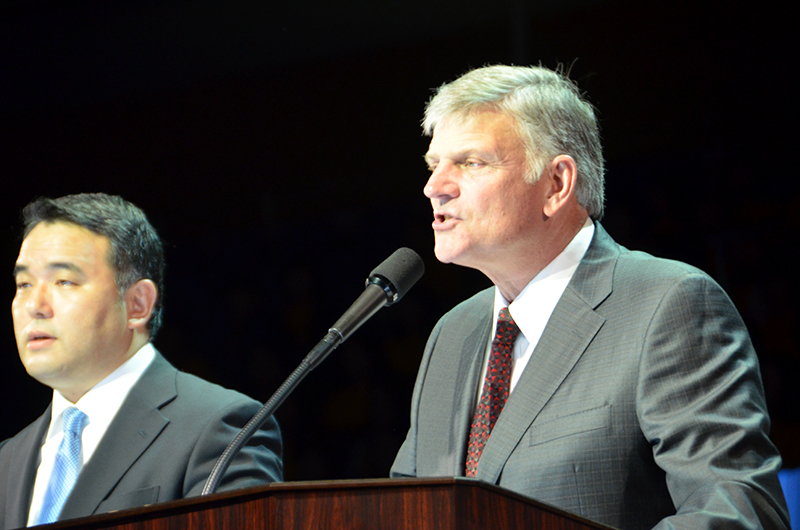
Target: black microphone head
point(398, 273)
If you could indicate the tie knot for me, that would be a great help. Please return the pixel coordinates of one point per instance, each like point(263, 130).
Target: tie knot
point(73, 420)
point(507, 329)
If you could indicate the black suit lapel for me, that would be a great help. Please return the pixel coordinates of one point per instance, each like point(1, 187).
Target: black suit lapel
point(137, 424)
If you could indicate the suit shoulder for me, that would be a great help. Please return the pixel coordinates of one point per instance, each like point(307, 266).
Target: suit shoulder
point(646, 285)
point(9, 443)
point(22, 438)
point(636, 268)
point(202, 391)
point(476, 304)
point(464, 316)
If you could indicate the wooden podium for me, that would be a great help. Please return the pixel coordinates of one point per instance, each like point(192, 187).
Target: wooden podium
point(386, 504)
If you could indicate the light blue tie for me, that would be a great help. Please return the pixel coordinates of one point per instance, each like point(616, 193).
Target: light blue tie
point(65, 468)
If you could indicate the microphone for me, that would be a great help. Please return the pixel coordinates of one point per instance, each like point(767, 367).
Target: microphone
point(386, 285)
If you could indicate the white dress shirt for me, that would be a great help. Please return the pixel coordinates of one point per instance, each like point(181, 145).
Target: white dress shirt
point(100, 404)
point(533, 306)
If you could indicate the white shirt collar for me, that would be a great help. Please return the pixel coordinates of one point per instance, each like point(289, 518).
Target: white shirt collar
point(101, 403)
point(560, 269)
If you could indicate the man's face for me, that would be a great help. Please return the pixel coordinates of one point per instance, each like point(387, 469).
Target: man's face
point(69, 318)
point(485, 214)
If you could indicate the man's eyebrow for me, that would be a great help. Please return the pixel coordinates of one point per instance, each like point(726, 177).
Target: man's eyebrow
point(65, 266)
point(430, 158)
point(462, 154)
point(59, 265)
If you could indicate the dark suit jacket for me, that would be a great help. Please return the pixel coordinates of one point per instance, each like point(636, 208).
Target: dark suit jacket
point(161, 446)
point(642, 401)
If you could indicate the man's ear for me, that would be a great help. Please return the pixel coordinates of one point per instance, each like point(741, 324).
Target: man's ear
point(140, 298)
point(563, 179)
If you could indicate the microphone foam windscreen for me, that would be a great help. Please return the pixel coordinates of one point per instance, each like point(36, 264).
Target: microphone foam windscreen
point(402, 269)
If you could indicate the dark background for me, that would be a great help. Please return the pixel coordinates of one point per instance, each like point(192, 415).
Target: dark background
point(277, 149)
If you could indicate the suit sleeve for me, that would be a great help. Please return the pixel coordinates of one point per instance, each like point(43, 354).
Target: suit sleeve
point(260, 460)
point(701, 405)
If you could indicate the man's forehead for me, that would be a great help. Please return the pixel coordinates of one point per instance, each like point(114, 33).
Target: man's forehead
point(458, 119)
point(482, 129)
point(62, 242)
point(471, 114)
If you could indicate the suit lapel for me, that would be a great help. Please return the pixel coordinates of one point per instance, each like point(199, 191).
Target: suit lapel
point(448, 401)
point(23, 467)
point(571, 328)
point(137, 424)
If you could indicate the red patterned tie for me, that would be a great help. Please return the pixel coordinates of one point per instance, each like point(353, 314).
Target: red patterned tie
point(495, 388)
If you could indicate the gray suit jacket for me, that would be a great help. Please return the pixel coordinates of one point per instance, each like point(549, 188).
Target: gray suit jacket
point(160, 446)
point(642, 401)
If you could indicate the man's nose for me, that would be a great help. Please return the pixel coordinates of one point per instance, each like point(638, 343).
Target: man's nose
point(442, 183)
point(39, 304)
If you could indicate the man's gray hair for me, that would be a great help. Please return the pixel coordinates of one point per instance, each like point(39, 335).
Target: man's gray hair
point(552, 117)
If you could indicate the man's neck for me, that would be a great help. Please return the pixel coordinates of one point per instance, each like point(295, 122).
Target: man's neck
point(138, 340)
point(517, 274)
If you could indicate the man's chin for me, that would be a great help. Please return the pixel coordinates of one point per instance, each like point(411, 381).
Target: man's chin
point(452, 256)
point(42, 369)
point(445, 253)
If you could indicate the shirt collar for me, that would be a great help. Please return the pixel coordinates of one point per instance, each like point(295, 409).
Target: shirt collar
point(103, 400)
point(549, 284)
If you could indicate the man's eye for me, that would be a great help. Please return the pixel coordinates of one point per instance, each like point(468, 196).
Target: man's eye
point(23, 285)
point(64, 282)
